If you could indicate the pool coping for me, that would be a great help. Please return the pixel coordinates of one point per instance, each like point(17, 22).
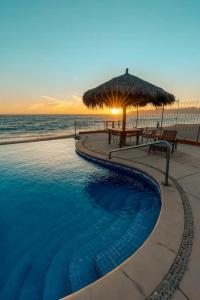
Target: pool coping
point(145, 274)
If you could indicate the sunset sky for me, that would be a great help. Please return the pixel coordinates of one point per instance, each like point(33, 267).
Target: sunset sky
point(53, 51)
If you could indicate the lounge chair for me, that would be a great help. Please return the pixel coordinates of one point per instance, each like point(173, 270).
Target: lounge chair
point(148, 134)
point(169, 136)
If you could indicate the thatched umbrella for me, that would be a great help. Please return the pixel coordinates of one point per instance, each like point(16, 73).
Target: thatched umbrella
point(124, 91)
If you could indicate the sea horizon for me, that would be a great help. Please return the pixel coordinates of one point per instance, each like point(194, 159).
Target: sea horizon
point(56, 114)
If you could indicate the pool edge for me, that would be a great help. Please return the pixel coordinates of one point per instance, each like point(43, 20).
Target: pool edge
point(140, 276)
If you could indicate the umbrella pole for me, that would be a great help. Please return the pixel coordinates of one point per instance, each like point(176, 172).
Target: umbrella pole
point(136, 118)
point(124, 119)
point(123, 134)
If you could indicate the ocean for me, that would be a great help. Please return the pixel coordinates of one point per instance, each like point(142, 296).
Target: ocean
point(22, 127)
point(15, 128)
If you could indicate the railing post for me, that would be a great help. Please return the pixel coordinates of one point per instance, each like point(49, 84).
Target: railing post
point(177, 112)
point(75, 127)
point(167, 166)
point(198, 134)
point(161, 123)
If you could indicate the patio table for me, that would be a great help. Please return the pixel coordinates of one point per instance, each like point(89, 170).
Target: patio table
point(123, 133)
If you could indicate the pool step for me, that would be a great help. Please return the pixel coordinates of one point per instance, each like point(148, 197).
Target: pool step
point(82, 268)
point(60, 263)
point(41, 254)
point(114, 204)
point(121, 249)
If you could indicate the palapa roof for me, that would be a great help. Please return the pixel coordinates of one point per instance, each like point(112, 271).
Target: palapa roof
point(126, 90)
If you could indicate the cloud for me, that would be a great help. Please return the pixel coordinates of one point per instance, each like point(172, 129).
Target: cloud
point(49, 98)
point(54, 100)
point(49, 104)
point(78, 98)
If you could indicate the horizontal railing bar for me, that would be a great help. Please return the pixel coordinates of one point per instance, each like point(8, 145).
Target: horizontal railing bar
point(149, 144)
point(96, 121)
point(106, 123)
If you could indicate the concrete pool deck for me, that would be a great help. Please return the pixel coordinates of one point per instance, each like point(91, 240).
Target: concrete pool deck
point(167, 265)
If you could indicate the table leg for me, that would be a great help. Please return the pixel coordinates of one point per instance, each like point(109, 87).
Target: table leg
point(137, 138)
point(122, 139)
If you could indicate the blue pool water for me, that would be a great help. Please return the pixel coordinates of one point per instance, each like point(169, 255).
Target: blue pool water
point(64, 221)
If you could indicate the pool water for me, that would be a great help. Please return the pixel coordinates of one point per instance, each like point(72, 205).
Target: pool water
point(65, 221)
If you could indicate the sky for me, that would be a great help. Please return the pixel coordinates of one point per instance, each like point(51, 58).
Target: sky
point(51, 52)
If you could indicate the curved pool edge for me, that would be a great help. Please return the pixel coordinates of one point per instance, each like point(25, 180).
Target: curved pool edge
point(140, 275)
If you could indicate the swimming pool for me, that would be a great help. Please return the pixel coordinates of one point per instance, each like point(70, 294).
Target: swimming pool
point(65, 221)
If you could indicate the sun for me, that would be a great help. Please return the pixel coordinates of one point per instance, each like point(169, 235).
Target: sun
point(116, 111)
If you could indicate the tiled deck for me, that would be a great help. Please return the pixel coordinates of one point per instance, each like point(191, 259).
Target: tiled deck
point(185, 169)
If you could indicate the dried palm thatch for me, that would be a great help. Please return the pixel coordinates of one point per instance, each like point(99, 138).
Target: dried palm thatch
point(124, 91)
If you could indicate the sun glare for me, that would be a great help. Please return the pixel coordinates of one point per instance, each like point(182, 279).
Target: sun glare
point(116, 111)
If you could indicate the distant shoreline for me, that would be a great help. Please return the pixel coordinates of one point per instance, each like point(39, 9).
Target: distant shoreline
point(38, 139)
point(49, 115)
point(190, 132)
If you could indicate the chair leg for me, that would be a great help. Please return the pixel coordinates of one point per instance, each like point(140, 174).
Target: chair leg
point(172, 147)
point(115, 138)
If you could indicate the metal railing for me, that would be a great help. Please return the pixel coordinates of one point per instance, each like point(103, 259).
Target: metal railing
point(95, 125)
point(181, 116)
point(149, 144)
